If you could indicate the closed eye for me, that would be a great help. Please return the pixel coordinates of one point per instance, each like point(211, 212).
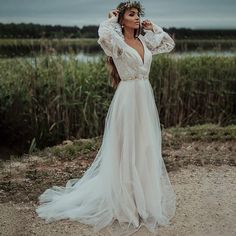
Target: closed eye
point(132, 13)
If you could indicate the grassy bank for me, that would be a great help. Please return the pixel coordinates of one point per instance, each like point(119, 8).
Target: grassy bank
point(171, 137)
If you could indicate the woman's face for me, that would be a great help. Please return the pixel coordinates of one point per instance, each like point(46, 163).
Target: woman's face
point(131, 18)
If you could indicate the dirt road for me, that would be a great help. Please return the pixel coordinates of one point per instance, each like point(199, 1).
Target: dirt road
point(206, 206)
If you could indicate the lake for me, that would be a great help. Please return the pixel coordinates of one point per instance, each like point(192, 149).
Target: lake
point(95, 56)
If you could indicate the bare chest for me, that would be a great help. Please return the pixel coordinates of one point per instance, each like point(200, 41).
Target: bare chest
point(136, 45)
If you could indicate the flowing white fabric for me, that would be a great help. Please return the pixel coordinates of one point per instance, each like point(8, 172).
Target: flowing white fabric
point(127, 180)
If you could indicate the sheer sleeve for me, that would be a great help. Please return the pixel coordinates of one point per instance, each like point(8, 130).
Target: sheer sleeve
point(158, 41)
point(111, 38)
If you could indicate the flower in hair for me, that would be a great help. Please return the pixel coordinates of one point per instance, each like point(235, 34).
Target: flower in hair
point(131, 4)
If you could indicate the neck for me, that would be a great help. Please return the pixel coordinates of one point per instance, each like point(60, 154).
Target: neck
point(129, 33)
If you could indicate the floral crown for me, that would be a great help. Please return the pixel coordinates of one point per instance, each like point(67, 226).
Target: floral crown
point(131, 4)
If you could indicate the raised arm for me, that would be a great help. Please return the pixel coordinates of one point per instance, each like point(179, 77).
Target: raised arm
point(158, 41)
point(111, 37)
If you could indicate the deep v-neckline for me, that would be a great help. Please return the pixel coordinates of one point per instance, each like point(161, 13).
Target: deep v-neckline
point(142, 59)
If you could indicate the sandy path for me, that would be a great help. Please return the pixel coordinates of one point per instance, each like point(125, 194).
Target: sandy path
point(206, 206)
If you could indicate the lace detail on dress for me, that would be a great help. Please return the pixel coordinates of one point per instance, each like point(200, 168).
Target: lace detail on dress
point(111, 38)
point(158, 41)
point(117, 28)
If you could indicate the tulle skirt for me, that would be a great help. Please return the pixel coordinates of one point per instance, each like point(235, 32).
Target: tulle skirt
point(127, 181)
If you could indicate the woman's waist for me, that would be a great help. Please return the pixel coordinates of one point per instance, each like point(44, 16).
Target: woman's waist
point(135, 77)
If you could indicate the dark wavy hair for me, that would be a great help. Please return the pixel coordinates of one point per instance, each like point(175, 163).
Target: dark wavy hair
point(122, 7)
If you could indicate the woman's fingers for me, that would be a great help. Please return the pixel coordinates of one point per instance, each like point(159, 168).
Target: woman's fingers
point(146, 22)
point(114, 12)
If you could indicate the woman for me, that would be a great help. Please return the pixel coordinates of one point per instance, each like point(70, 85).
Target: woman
point(127, 181)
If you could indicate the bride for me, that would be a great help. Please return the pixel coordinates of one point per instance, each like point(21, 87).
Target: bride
point(127, 180)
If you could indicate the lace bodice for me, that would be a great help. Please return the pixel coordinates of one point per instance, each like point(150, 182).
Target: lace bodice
point(127, 60)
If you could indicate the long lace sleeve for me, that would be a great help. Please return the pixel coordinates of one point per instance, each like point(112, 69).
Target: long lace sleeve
point(158, 41)
point(111, 37)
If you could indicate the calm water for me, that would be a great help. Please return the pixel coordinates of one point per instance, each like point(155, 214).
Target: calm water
point(95, 56)
point(85, 57)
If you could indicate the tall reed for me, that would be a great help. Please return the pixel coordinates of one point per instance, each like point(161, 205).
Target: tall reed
point(49, 98)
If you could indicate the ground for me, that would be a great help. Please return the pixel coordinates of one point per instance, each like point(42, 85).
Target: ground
point(201, 170)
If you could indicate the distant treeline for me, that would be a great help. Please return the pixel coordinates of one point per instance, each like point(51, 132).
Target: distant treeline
point(30, 30)
point(35, 31)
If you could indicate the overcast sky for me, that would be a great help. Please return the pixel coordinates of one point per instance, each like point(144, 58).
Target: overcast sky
point(167, 13)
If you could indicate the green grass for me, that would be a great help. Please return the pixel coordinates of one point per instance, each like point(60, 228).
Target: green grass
point(206, 132)
point(174, 135)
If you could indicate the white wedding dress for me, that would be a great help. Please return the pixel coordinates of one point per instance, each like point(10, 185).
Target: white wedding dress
point(128, 178)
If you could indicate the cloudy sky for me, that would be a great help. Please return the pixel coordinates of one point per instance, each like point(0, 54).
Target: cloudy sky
point(167, 13)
